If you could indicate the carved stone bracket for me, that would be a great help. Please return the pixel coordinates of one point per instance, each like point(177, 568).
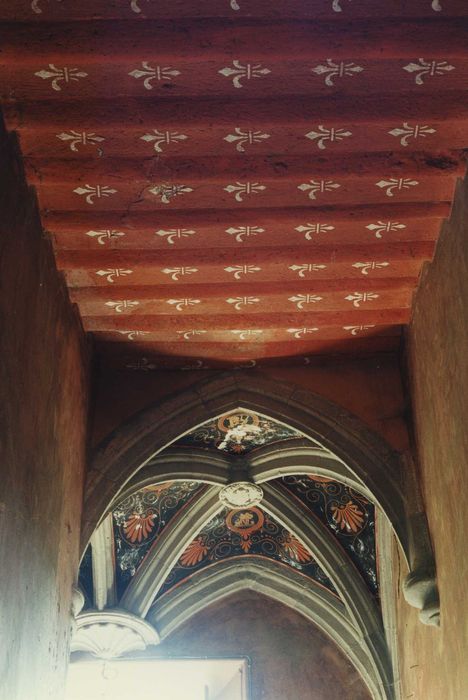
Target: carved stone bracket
point(112, 633)
point(420, 591)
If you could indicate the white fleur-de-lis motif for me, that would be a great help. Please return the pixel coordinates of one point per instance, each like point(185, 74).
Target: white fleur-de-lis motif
point(301, 299)
point(336, 6)
point(173, 234)
point(92, 191)
point(249, 333)
point(244, 188)
point(301, 332)
point(176, 272)
point(428, 69)
point(436, 6)
point(112, 273)
point(384, 227)
point(239, 302)
point(407, 132)
point(336, 70)
point(131, 335)
point(80, 138)
point(309, 229)
point(234, 5)
point(361, 297)
point(239, 270)
point(59, 75)
point(105, 235)
point(396, 183)
point(354, 330)
point(35, 6)
point(149, 74)
point(242, 231)
point(306, 267)
point(142, 365)
point(161, 138)
point(313, 187)
point(134, 4)
point(122, 304)
point(323, 135)
point(244, 138)
point(167, 192)
point(181, 304)
point(366, 267)
point(243, 72)
point(186, 335)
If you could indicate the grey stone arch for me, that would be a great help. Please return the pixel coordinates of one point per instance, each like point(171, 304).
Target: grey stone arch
point(272, 580)
point(358, 605)
point(366, 456)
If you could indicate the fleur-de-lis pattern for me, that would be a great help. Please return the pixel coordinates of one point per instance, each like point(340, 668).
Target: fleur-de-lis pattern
point(239, 302)
point(407, 132)
point(173, 234)
point(122, 305)
point(382, 227)
point(186, 335)
point(424, 69)
point(177, 272)
point(105, 235)
point(302, 300)
point(159, 139)
point(244, 189)
point(80, 138)
point(396, 184)
point(354, 330)
point(310, 229)
point(242, 73)
point(316, 187)
point(333, 71)
point(181, 304)
point(241, 232)
point(324, 135)
point(60, 76)
point(239, 270)
point(133, 335)
point(243, 138)
point(208, 207)
point(366, 267)
point(246, 334)
point(166, 193)
point(301, 332)
point(359, 298)
point(307, 267)
point(158, 73)
point(92, 192)
point(112, 274)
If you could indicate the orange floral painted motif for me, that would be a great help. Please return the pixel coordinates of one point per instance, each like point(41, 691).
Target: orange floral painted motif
point(195, 552)
point(348, 516)
point(138, 527)
point(296, 550)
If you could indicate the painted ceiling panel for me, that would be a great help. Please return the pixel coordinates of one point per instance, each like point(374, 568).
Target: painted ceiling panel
point(246, 532)
point(232, 183)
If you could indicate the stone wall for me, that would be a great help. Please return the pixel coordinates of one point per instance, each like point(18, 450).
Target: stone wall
point(434, 661)
point(290, 658)
point(43, 416)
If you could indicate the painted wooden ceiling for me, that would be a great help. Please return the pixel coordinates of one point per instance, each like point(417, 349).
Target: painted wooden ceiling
point(231, 182)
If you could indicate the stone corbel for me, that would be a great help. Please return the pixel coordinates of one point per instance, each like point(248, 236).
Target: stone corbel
point(420, 587)
point(112, 633)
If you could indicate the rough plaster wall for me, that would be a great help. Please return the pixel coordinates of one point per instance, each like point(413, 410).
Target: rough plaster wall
point(434, 663)
point(43, 385)
point(368, 387)
point(291, 659)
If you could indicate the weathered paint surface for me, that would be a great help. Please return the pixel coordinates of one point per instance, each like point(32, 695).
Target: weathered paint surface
point(43, 384)
point(433, 662)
